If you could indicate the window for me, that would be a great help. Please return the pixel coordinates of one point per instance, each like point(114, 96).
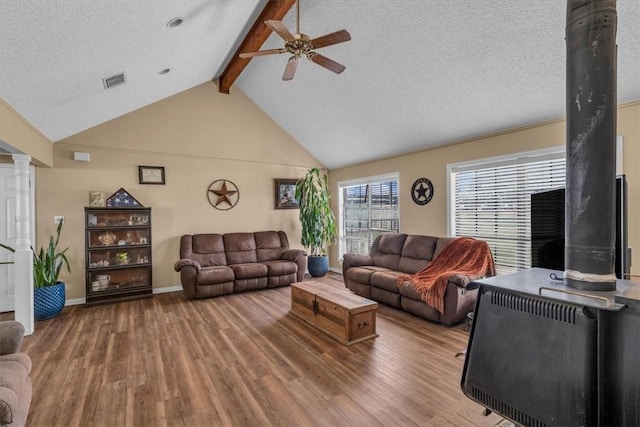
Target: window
point(490, 199)
point(368, 207)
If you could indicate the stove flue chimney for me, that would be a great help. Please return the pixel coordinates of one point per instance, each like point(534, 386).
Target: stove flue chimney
point(591, 147)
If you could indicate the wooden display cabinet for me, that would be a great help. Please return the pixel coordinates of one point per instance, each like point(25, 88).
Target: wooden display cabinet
point(118, 254)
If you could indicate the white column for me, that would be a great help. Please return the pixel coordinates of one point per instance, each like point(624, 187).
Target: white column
point(24, 256)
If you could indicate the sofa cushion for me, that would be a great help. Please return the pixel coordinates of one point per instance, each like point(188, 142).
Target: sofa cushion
point(240, 248)
point(417, 251)
point(386, 250)
point(280, 267)
point(206, 249)
point(213, 275)
point(442, 242)
point(407, 290)
point(269, 245)
point(363, 274)
point(249, 271)
point(387, 280)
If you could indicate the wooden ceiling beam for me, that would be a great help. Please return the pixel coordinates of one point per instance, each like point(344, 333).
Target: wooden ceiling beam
point(259, 33)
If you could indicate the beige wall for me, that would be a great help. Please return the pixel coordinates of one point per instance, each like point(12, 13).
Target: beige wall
point(20, 134)
point(431, 219)
point(198, 136)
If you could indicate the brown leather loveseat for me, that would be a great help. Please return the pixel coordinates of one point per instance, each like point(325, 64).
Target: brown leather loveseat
point(375, 276)
point(218, 264)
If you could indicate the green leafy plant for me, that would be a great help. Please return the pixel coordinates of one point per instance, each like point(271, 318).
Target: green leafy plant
point(318, 223)
point(48, 263)
point(10, 249)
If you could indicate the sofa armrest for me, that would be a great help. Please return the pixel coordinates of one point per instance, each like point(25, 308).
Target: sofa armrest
point(355, 260)
point(11, 334)
point(300, 258)
point(8, 405)
point(180, 264)
point(462, 280)
point(19, 358)
point(293, 254)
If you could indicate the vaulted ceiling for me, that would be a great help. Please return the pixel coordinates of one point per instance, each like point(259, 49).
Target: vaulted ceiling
point(419, 73)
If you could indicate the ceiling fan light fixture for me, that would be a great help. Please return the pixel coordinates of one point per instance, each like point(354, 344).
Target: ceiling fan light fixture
point(175, 22)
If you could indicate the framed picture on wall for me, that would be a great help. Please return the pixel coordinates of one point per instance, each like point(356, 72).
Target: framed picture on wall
point(285, 194)
point(151, 175)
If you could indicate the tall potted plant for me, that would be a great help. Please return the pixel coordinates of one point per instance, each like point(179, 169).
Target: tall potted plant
point(318, 223)
point(49, 293)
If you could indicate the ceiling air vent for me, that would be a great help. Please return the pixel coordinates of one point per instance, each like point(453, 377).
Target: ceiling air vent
point(112, 81)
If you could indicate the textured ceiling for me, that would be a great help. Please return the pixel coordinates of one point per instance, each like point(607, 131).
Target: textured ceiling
point(419, 73)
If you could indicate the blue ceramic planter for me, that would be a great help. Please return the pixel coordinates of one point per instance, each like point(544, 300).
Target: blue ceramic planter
point(49, 301)
point(318, 265)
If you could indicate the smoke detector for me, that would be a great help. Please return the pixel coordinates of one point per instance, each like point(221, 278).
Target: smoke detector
point(112, 81)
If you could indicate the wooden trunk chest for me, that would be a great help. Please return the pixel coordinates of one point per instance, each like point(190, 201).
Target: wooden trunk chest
point(344, 316)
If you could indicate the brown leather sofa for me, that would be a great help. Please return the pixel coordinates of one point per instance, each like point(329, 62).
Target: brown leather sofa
point(218, 264)
point(15, 383)
point(375, 276)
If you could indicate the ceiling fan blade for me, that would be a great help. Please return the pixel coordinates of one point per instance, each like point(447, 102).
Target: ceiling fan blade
point(261, 53)
point(290, 69)
point(331, 39)
point(281, 29)
point(327, 63)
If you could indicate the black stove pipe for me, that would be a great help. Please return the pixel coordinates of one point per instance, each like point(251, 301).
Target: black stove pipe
point(591, 144)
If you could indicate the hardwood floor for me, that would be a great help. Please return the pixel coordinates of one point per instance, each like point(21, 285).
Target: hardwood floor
point(241, 360)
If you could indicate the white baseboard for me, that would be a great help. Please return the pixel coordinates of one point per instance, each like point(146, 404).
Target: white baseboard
point(176, 288)
point(80, 301)
point(335, 270)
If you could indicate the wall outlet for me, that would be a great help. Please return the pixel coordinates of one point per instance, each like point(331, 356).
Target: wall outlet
point(58, 219)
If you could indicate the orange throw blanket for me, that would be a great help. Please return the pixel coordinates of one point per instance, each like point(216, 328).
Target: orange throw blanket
point(463, 256)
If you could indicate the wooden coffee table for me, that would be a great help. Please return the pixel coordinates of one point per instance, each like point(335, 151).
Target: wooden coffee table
point(342, 315)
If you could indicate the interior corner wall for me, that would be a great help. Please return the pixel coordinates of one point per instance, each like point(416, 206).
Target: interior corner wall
point(199, 136)
point(431, 219)
point(20, 134)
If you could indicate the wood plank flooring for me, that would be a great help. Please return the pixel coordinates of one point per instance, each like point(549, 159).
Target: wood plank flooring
point(241, 360)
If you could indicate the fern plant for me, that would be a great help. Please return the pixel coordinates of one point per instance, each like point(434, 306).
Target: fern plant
point(318, 223)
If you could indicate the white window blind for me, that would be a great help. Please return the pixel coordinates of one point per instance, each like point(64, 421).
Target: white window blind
point(368, 208)
point(492, 201)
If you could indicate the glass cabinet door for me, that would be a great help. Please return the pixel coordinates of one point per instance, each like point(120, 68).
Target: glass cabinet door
point(111, 280)
point(118, 237)
point(117, 219)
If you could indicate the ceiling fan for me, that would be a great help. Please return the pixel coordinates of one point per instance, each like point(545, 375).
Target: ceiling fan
point(299, 45)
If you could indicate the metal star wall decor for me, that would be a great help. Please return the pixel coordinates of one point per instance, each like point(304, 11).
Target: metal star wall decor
point(422, 191)
point(223, 194)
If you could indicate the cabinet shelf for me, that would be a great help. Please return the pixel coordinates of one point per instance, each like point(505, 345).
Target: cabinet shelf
point(117, 254)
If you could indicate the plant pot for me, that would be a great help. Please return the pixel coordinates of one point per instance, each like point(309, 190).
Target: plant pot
point(318, 265)
point(49, 301)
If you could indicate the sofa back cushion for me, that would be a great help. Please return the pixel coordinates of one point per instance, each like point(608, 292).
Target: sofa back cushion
point(206, 249)
point(442, 242)
point(386, 250)
point(417, 252)
point(270, 245)
point(240, 248)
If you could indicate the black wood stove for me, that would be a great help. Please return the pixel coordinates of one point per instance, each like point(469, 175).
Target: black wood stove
point(545, 354)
